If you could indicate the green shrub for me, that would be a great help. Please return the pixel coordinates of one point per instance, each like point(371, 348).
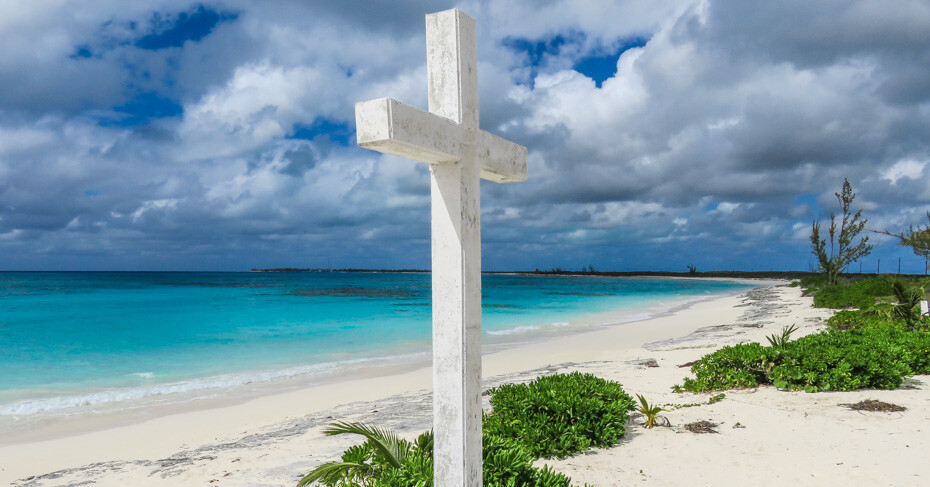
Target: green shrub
point(917, 344)
point(843, 296)
point(877, 316)
point(559, 415)
point(875, 286)
point(506, 463)
point(876, 357)
point(858, 294)
point(811, 284)
point(842, 361)
point(731, 367)
point(416, 471)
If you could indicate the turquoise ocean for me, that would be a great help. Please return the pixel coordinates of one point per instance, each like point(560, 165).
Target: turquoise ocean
point(85, 342)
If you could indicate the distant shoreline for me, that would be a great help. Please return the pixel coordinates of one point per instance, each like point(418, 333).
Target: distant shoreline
point(788, 275)
point(782, 275)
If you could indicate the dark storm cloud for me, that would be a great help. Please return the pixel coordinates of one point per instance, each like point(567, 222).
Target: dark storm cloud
point(893, 36)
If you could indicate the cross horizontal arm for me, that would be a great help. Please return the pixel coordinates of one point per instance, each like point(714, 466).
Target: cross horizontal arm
point(502, 161)
point(389, 126)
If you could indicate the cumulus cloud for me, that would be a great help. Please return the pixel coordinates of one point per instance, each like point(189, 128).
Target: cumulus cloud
point(179, 134)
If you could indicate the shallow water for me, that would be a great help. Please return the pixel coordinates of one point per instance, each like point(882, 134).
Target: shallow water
point(77, 342)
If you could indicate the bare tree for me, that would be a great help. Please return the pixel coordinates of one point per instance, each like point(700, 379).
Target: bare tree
point(842, 251)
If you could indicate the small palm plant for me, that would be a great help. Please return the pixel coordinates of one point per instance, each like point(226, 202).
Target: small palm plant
point(363, 464)
point(779, 341)
point(650, 412)
point(908, 298)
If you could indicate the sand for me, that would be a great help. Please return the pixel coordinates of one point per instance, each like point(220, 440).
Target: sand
point(763, 436)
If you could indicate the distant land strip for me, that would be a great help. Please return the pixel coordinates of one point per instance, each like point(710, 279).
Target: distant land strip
point(562, 272)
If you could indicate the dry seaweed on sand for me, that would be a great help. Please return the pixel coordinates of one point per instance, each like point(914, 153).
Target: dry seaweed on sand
point(648, 362)
point(875, 405)
point(701, 427)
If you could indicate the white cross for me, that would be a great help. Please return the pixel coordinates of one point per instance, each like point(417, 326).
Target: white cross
point(459, 153)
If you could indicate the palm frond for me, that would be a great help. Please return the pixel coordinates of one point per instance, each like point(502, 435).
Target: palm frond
point(386, 442)
point(778, 341)
point(650, 412)
point(908, 301)
point(424, 443)
point(331, 472)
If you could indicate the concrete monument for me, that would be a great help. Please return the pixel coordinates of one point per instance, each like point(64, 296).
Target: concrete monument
point(459, 153)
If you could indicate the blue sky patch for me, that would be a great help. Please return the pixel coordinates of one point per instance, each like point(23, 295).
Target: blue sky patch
point(536, 50)
point(336, 131)
point(174, 31)
point(143, 108)
point(82, 51)
point(603, 67)
point(599, 65)
point(811, 201)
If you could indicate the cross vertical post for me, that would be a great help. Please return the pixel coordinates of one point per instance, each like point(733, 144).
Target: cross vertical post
point(451, 61)
point(459, 154)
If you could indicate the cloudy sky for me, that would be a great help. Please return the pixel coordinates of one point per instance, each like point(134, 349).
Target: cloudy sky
point(178, 135)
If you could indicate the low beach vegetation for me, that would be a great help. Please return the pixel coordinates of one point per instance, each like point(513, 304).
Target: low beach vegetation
point(734, 367)
point(850, 293)
point(875, 340)
point(712, 400)
point(384, 460)
point(559, 415)
point(874, 358)
point(857, 319)
point(850, 360)
point(551, 417)
point(867, 294)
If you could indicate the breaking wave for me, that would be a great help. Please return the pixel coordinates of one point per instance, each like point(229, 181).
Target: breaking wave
point(526, 329)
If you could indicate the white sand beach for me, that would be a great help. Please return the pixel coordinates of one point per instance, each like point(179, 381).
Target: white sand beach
point(764, 436)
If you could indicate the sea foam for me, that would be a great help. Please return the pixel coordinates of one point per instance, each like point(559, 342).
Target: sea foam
point(183, 391)
point(519, 330)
